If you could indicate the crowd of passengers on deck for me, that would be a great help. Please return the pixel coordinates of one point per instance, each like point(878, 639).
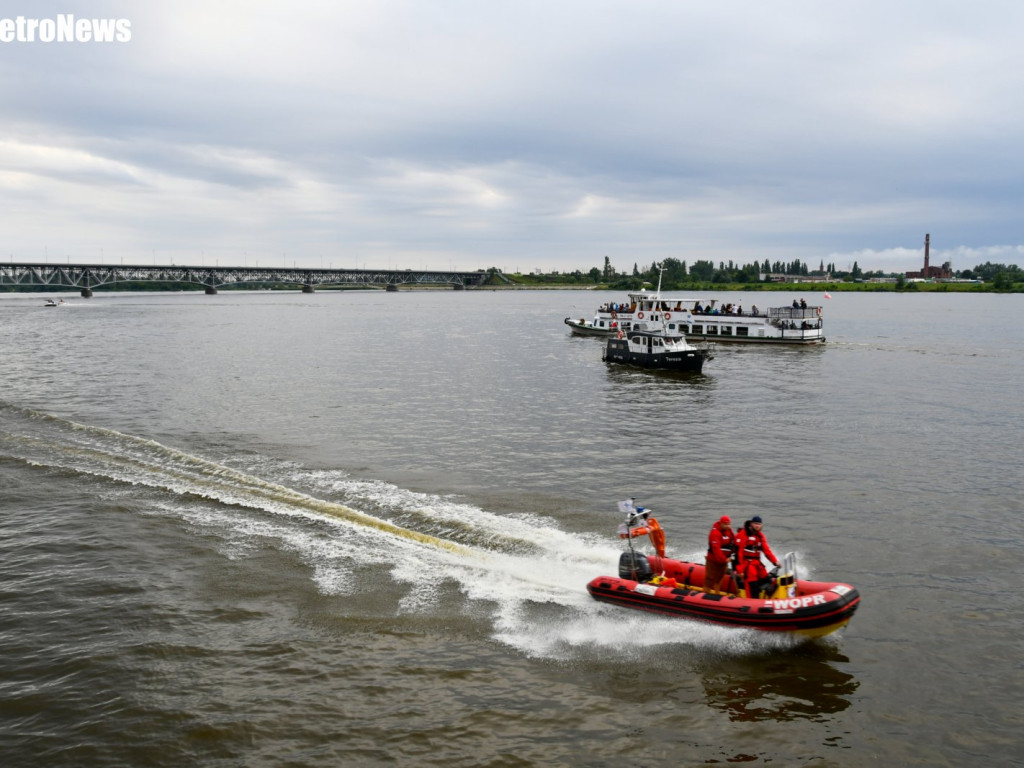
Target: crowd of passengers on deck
point(699, 309)
point(728, 309)
point(666, 306)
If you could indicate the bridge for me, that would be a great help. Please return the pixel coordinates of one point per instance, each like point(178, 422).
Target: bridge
point(86, 277)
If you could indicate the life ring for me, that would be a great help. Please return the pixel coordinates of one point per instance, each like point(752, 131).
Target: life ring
point(668, 316)
point(639, 315)
point(819, 311)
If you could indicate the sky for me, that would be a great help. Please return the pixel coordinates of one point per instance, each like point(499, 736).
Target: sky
point(520, 134)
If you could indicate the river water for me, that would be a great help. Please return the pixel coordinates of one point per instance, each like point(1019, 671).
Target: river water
point(273, 529)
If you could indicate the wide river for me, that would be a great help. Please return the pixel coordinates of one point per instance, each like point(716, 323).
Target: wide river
point(227, 529)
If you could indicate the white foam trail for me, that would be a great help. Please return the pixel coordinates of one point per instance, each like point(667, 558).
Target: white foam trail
point(530, 574)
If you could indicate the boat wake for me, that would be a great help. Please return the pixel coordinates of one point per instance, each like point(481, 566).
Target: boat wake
point(529, 575)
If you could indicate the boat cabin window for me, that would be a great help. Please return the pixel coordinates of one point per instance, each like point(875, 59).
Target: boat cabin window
point(711, 330)
point(684, 328)
point(697, 329)
point(742, 330)
point(726, 330)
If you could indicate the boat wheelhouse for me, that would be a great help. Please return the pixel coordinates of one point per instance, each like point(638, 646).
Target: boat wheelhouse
point(706, 320)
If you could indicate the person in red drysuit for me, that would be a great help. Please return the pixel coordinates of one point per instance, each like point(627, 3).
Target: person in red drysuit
point(750, 544)
point(721, 546)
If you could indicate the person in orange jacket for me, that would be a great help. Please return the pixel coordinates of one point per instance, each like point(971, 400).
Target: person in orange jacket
point(751, 543)
point(648, 526)
point(721, 547)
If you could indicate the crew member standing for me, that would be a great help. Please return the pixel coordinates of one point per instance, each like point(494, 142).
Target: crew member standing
point(751, 543)
point(721, 546)
point(649, 527)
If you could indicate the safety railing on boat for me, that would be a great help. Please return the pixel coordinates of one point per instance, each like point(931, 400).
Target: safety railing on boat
point(794, 313)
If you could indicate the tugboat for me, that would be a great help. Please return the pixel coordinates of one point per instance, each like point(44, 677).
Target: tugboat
point(649, 344)
point(676, 588)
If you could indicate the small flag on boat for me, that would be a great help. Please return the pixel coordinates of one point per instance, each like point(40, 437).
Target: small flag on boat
point(626, 507)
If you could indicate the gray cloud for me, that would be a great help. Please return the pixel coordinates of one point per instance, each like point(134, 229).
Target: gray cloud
point(517, 133)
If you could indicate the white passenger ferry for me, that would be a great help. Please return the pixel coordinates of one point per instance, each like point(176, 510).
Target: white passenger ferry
point(706, 320)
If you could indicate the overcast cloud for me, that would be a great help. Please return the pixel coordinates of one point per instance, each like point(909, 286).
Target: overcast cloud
point(519, 134)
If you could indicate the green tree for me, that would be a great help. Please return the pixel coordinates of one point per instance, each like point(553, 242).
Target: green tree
point(1003, 281)
point(674, 274)
point(989, 272)
point(702, 271)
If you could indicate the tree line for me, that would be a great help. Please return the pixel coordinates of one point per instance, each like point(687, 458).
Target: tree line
point(679, 274)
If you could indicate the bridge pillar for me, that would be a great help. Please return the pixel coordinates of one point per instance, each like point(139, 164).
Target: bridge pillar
point(391, 288)
point(459, 287)
point(86, 293)
point(307, 288)
point(211, 291)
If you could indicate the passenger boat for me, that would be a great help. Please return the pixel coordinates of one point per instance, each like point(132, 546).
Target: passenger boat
point(662, 585)
point(596, 327)
point(705, 320)
point(650, 344)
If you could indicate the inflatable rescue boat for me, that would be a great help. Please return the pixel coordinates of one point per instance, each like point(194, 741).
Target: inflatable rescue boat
point(676, 588)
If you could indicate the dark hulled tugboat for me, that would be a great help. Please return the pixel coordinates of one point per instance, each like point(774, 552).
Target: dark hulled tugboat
point(657, 349)
point(649, 344)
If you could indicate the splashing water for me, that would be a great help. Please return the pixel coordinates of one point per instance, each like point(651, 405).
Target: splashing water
point(530, 573)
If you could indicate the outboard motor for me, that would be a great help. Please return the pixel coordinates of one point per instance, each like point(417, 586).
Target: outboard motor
point(633, 565)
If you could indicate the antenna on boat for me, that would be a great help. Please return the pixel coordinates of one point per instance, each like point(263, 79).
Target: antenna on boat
point(658, 312)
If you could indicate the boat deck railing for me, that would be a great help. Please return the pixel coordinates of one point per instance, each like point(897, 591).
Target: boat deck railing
point(794, 313)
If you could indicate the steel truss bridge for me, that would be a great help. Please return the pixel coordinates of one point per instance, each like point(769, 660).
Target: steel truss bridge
point(86, 277)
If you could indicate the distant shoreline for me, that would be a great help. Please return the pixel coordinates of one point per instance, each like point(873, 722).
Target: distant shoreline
point(772, 287)
point(696, 287)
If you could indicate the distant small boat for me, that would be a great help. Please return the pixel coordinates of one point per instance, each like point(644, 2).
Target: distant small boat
point(595, 327)
point(51, 303)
